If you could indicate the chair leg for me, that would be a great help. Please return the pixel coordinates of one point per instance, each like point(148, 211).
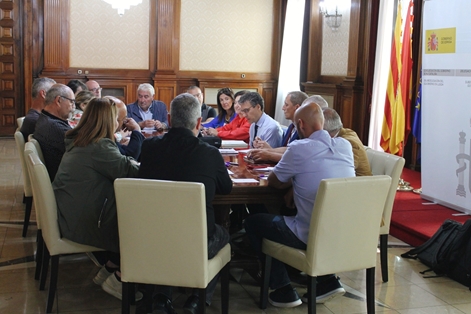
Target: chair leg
point(225, 289)
point(39, 254)
point(44, 268)
point(311, 294)
point(383, 253)
point(266, 270)
point(132, 293)
point(52, 283)
point(201, 301)
point(29, 205)
point(370, 290)
point(125, 302)
point(149, 292)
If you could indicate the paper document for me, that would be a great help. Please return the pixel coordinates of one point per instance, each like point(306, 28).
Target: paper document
point(227, 151)
point(264, 169)
point(233, 144)
point(244, 181)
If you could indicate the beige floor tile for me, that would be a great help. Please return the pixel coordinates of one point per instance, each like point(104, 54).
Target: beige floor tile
point(465, 308)
point(433, 310)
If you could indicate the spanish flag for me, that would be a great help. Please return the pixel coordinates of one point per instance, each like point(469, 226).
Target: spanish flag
point(396, 121)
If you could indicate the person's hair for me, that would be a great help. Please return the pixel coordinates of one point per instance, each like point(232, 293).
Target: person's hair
point(185, 110)
point(254, 99)
point(42, 83)
point(54, 91)
point(97, 122)
point(240, 93)
point(332, 121)
point(318, 99)
point(75, 84)
point(297, 97)
point(228, 92)
point(146, 87)
point(192, 87)
point(83, 97)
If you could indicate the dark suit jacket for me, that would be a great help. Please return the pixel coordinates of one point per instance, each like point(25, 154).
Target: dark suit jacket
point(180, 156)
point(158, 109)
point(133, 149)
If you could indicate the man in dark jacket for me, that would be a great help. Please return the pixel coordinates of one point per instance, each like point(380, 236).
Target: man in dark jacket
point(180, 156)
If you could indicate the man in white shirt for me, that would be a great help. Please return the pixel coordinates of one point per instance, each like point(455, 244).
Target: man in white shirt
point(263, 127)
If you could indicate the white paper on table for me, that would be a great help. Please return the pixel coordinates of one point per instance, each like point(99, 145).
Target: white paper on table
point(264, 169)
point(230, 172)
point(227, 151)
point(244, 180)
point(233, 144)
point(244, 151)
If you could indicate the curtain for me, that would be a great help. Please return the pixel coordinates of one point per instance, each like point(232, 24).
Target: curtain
point(288, 79)
point(381, 71)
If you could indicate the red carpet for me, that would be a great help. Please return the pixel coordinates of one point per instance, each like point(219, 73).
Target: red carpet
point(412, 221)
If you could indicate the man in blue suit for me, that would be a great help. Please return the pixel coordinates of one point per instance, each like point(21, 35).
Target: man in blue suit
point(150, 114)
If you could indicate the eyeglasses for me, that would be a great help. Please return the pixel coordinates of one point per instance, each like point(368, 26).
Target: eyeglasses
point(95, 89)
point(197, 95)
point(246, 110)
point(69, 99)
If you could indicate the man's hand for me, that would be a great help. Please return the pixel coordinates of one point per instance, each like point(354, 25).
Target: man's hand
point(258, 154)
point(260, 144)
point(158, 124)
point(147, 124)
point(130, 124)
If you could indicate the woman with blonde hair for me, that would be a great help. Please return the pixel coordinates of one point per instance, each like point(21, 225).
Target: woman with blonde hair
point(83, 186)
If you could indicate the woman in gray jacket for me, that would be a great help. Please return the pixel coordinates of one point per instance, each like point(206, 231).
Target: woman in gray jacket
point(84, 190)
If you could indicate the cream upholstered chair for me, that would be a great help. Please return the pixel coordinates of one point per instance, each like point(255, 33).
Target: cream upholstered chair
point(163, 237)
point(54, 245)
point(31, 139)
point(20, 122)
point(343, 235)
point(31, 148)
point(28, 191)
point(382, 163)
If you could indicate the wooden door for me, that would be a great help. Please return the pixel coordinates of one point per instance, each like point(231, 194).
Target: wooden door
point(11, 89)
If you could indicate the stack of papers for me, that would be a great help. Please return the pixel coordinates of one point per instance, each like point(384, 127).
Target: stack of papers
point(233, 144)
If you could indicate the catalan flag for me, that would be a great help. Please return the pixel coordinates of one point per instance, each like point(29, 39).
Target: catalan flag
point(396, 121)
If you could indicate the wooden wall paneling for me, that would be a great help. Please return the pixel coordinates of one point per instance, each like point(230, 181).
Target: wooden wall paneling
point(56, 35)
point(315, 44)
point(11, 71)
point(168, 30)
point(165, 91)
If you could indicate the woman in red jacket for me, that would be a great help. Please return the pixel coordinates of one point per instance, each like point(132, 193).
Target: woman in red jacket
point(238, 129)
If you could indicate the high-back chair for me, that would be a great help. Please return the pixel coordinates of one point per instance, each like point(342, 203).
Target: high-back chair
point(163, 237)
point(31, 148)
point(55, 246)
point(28, 191)
point(343, 235)
point(38, 147)
point(20, 122)
point(382, 163)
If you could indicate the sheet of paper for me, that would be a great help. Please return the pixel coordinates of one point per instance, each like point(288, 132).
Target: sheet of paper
point(244, 180)
point(227, 151)
point(264, 169)
point(230, 172)
point(233, 144)
point(244, 151)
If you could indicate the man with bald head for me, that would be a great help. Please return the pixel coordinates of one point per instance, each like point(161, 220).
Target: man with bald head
point(307, 161)
point(52, 124)
point(94, 87)
point(127, 126)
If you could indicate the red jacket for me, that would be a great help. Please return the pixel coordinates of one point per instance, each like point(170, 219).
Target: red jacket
point(238, 129)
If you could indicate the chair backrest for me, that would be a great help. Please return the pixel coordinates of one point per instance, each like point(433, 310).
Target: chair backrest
point(38, 147)
point(45, 204)
point(345, 222)
point(20, 145)
point(162, 232)
point(30, 149)
point(382, 163)
point(20, 122)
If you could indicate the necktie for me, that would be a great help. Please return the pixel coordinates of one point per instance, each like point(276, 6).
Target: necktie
point(289, 132)
point(254, 134)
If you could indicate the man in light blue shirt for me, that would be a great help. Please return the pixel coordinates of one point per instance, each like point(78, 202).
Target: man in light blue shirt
point(262, 125)
point(315, 156)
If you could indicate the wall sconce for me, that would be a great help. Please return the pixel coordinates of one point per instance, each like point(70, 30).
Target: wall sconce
point(330, 11)
point(122, 5)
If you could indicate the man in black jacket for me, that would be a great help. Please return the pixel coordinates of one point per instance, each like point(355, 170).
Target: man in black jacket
point(180, 156)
